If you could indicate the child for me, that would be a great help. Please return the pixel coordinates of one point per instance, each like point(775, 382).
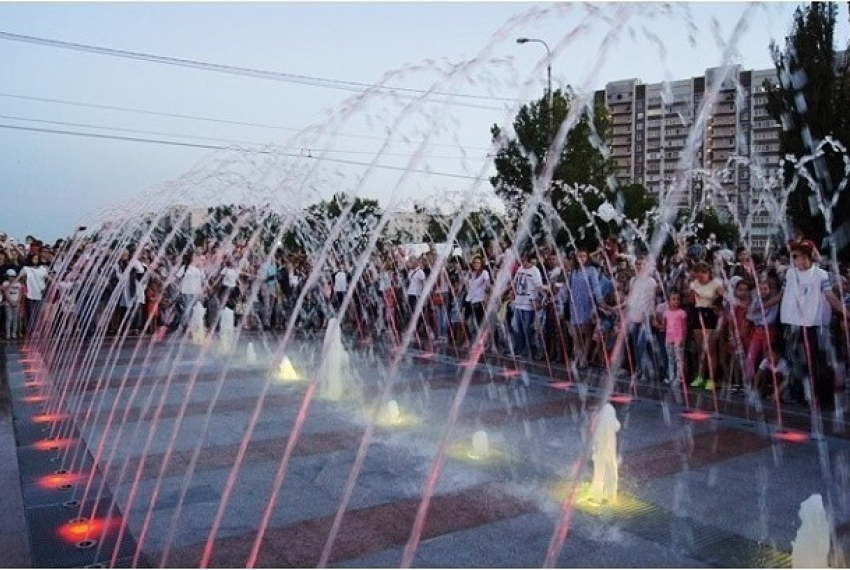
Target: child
point(762, 316)
point(458, 329)
point(707, 293)
point(736, 334)
point(772, 374)
point(675, 323)
point(11, 301)
point(607, 324)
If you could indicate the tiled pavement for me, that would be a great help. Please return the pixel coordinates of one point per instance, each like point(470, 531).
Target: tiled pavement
point(720, 492)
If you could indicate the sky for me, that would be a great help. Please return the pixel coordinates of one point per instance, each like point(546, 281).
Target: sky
point(105, 106)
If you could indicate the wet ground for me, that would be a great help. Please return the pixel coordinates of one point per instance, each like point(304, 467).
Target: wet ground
point(179, 453)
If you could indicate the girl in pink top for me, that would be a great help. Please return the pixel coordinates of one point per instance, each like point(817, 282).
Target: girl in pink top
point(675, 322)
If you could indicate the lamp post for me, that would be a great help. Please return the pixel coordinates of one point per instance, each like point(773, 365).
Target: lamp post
point(548, 82)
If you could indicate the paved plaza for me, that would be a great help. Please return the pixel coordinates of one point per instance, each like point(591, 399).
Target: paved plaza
point(157, 445)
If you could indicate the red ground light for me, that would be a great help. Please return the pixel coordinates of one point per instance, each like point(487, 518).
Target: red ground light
point(696, 415)
point(33, 399)
point(57, 480)
point(49, 444)
point(791, 436)
point(509, 372)
point(561, 385)
point(620, 399)
point(47, 418)
point(76, 530)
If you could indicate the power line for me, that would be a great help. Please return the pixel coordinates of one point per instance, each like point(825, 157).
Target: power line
point(211, 119)
point(352, 86)
point(231, 148)
point(302, 150)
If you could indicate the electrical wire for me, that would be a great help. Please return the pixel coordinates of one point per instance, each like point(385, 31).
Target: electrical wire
point(351, 86)
point(266, 150)
point(215, 120)
point(302, 150)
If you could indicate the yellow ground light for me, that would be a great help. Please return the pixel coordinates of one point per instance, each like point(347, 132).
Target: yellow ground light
point(404, 419)
point(462, 450)
point(623, 505)
point(286, 373)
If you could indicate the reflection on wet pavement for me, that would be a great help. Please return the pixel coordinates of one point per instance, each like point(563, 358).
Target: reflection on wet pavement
point(5, 399)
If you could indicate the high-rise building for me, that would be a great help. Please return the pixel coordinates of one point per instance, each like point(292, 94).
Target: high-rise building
point(722, 149)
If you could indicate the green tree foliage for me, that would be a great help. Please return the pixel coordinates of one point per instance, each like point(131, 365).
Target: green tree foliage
point(579, 163)
point(812, 101)
point(357, 227)
point(478, 226)
point(636, 204)
point(707, 222)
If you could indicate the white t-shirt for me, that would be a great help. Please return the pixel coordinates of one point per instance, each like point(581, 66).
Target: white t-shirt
point(417, 282)
point(477, 287)
point(340, 282)
point(527, 284)
point(641, 299)
point(191, 280)
point(802, 300)
point(36, 281)
point(229, 277)
point(705, 295)
point(13, 293)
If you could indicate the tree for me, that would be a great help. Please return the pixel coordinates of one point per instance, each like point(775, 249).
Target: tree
point(580, 162)
point(356, 231)
point(705, 222)
point(636, 203)
point(809, 70)
point(480, 226)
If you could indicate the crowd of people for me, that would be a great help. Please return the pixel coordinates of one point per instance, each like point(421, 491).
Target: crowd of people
point(704, 317)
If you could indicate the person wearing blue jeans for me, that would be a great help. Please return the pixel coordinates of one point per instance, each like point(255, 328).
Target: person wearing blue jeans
point(640, 306)
point(527, 286)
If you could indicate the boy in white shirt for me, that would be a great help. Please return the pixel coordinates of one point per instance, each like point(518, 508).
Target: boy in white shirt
point(804, 303)
point(527, 287)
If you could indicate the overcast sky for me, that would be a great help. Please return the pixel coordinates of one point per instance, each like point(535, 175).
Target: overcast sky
point(83, 128)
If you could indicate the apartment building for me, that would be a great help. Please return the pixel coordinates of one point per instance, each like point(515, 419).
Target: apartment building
point(724, 147)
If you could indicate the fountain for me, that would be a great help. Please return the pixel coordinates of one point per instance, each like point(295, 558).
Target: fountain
point(810, 549)
point(286, 371)
point(227, 330)
point(391, 414)
point(251, 354)
point(197, 329)
point(605, 480)
point(336, 378)
point(128, 400)
point(480, 445)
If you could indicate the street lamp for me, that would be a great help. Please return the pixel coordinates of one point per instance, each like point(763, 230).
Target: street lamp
point(548, 80)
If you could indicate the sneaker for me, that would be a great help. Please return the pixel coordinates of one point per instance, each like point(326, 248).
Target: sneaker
point(709, 385)
point(666, 381)
point(698, 382)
